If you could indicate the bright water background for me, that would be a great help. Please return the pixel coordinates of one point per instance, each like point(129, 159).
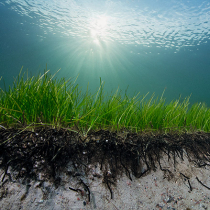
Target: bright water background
point(148, 45)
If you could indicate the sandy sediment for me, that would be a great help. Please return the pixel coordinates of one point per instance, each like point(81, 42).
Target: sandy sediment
point(57, 169)
point(181, 188)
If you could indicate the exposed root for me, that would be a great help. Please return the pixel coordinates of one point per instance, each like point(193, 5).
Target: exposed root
point(47, 150)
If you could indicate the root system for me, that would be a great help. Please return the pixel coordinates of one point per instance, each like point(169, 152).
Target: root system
point(47, 151)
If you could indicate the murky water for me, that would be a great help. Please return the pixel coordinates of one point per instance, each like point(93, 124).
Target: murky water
point(145, 46)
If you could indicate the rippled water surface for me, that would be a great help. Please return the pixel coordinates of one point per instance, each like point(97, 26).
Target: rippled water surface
point(147, 45)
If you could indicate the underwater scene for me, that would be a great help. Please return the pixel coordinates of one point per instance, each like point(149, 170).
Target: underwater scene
point(153, 54)
point(104, 104)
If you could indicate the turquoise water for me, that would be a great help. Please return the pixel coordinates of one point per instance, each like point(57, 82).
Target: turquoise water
point(145, 46)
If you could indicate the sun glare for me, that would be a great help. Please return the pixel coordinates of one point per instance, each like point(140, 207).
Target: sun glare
point(98, 27)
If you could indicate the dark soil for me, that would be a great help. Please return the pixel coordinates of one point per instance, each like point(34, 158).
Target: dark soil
point(49, 150)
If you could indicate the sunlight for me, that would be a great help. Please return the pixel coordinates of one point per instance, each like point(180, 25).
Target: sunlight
point(98, 28)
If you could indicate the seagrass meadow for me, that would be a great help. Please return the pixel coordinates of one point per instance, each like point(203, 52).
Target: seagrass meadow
point(47, 123)
point(59, 103)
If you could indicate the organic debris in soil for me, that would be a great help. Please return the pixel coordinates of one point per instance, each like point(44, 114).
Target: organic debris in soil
point(49, 150)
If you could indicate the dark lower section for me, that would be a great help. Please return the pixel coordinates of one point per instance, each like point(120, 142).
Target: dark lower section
point(49, 150)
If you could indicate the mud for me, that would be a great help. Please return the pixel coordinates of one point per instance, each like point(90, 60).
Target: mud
point(43, 156)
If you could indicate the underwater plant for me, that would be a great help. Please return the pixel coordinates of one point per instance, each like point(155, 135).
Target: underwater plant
point(45, 100)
